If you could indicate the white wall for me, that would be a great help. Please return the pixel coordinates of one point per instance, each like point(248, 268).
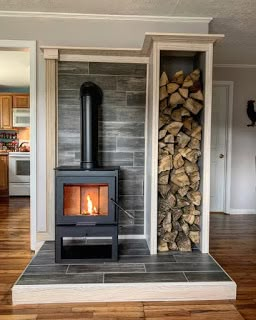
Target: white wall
point(77, 32)
point(243, 166)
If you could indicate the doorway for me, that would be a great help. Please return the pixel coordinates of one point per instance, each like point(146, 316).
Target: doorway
point(30, 47)
point(221, 135)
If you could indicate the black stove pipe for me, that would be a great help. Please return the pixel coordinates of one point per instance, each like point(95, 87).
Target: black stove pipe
point(91, 98)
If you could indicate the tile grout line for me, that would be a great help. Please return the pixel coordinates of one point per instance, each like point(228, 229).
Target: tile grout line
point(185, 276)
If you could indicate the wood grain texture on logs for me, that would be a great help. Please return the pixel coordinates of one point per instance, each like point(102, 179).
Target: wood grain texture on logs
point(180, 136)
point(163, 79)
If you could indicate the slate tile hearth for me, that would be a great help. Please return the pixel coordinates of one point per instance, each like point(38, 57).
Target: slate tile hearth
point(135, 265)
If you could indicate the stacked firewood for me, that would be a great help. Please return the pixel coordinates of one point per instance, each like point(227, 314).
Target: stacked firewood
point(179, 199)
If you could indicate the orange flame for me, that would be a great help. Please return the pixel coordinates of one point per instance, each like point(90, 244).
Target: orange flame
point(90, 208)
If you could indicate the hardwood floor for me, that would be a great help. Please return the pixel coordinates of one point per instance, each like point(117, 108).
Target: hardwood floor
point(233, 244)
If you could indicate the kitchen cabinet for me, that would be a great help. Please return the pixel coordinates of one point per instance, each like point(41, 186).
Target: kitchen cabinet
point(4, 175)
point(6, 112)
point(20, 101)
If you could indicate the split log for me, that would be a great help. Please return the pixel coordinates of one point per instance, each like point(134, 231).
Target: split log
point(185, 227)
point(169, 148)
point(195, 75)
point(197, 220)
point(197, 95)
point(163, 104)
point(196, 133)
point(194, 186)
point(170, 237)
point(175, 99)
point(163, 189)
point(182, 202)
point(161, 145)
point(190, 167)
point(188, 82)
point(194, 236)
point(191, 210)
point(171, 199)
point(194, 144)
point(167, 111)
point(163, 177)
point(174, 188)
point(196, 86)
point(178, 77)
point(164, 206)
point(183, 191)
point(193, 105)
point(162, 134)
point(163, 152)
point(184, 151)
point(172, 87)
point(165, 163)
point(173, 246)
point(176, 214)
point(163, 79)
point(177, 114)
point(193, 155)
point(194, 227)
point(163, 94)
point(163, 120)
point(195, 197)
point(178, 161)
point(162, 246)
point(180, 179)
point(182, 139)
point(176, 226)
point(174, 127)
point(183, 242)
point(169, 139)
point(183, 92)
point(194, 177)
point(189, 218)
point(187, 123)
point(167, 222)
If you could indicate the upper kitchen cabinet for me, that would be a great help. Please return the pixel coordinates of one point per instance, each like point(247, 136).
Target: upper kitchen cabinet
point(6, 112)
point(21, 101)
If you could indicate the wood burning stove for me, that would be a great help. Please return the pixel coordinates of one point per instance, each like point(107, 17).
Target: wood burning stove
point(85, 196)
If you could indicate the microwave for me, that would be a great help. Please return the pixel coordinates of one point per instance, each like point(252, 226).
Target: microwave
point(21, 117)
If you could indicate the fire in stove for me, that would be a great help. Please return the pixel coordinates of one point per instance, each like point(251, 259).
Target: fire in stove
point(91, 209)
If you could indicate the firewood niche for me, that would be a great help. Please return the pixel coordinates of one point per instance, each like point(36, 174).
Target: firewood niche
point(179, 150)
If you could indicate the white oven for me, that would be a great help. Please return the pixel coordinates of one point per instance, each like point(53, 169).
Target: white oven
point(19, 173)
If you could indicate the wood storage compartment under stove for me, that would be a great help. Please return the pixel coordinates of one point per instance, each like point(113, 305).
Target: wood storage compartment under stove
point(181, 103)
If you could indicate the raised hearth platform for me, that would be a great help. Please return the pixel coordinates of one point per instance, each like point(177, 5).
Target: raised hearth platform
point(137, 276)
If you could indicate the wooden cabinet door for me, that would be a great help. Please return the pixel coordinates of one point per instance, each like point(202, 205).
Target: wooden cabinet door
point(6, 112)
point(4, 185)
point(21, 101)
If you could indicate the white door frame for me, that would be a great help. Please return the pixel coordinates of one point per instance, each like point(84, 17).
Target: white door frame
point(17, 45)
point(230, 86)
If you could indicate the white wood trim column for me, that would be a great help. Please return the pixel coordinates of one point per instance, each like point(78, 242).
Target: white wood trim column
point(51, 64)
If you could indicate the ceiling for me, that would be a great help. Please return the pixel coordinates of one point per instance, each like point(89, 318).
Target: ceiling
point(235, 18)
point(14, 69)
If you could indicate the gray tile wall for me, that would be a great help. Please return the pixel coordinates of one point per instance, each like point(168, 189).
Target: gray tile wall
point(121, 126)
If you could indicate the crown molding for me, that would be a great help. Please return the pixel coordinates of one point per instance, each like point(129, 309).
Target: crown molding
point(237, 66)
point(81, 16)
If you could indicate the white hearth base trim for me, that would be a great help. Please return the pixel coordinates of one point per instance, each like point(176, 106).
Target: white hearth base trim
point(71, 293)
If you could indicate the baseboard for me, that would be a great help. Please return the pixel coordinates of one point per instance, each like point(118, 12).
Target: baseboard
point(242, 211)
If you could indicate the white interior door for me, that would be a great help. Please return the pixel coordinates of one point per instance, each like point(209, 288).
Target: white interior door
point(218, 147)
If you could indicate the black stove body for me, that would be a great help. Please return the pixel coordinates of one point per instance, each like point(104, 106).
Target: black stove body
point(85, 196)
